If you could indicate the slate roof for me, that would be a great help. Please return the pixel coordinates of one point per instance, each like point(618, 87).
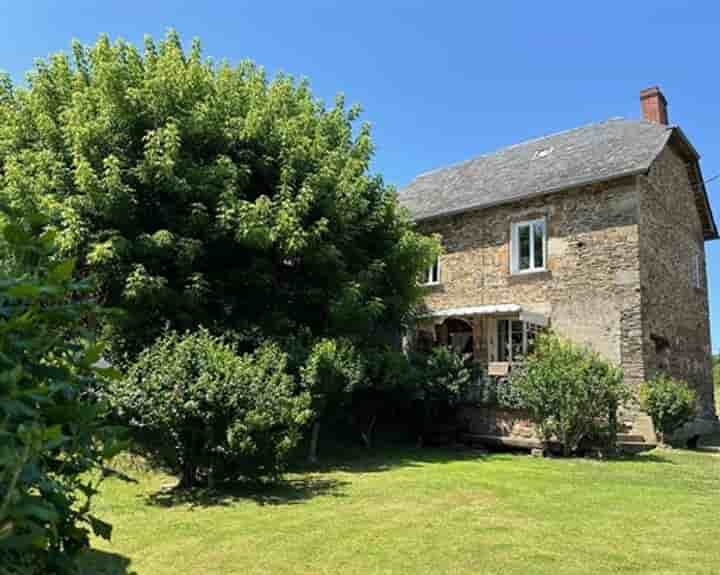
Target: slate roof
point(597, 152)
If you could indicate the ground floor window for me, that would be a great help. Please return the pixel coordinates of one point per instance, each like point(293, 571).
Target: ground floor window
point(515, 339)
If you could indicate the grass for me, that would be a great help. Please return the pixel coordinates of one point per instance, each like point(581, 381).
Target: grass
point(427, 511)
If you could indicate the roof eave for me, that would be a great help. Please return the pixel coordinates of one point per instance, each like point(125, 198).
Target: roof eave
point(712, 234)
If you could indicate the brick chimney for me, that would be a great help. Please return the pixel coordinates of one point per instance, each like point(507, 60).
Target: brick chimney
point(654, 105)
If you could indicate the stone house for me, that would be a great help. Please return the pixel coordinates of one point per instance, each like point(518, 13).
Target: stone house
point(597, 232)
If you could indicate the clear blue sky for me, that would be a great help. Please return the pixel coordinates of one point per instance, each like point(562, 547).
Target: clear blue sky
point(439, 81)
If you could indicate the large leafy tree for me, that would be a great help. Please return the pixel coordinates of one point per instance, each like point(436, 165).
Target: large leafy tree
point(208, 194)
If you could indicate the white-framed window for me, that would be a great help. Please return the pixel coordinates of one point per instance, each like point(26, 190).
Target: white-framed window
point(695, 271)
point(528, 242)
point(431, 276)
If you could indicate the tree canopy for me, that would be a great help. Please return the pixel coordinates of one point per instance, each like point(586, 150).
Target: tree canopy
point(205, 194)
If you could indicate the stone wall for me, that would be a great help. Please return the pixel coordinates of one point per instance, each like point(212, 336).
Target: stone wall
point(590, 290)
point(676, 330)
point(491, 420)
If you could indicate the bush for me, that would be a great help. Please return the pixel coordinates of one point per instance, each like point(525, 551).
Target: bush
point(443, 378)
point(498, 391)
point(225, 415)
point(444, 375)
point(53, 439)
point(668, 401)
point(569, 392)
point(330, 373)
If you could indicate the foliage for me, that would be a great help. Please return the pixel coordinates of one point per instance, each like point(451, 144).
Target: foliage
point(204, 194)
point(444, 375)
point(52, 435)
point(224, 415)
point(499, 391)
point(569, 391)
point(331, 372)
point(391, 371)
point(670, 402)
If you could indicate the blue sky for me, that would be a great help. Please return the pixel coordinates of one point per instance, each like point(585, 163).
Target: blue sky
point(439, 81)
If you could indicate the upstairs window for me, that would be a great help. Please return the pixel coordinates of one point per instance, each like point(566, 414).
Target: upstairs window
point(431, 276)
point(529, 246)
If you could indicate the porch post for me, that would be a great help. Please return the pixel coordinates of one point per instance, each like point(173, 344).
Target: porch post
point(442, 334)
point(477, 332)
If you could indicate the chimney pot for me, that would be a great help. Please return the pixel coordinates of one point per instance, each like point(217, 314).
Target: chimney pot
point(654, 105)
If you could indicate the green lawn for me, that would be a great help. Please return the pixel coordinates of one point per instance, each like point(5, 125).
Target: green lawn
point(425, 511)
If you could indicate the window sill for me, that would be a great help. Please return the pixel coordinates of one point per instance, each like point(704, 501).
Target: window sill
point(531, 275)
point(431, 285)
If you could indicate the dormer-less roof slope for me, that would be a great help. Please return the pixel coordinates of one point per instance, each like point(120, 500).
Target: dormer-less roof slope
point(593, 153)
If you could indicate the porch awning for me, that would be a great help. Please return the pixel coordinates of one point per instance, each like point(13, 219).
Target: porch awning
point(490, 309)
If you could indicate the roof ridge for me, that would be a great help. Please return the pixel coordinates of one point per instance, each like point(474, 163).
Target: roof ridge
point(530, 141)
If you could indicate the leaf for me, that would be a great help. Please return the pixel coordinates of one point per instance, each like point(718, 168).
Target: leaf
point(92, 355)
point(41, 511)
point(24, 291)
point(16, 234)
point(6, 529)
point(108, 373)
point(62, 271)
point(12, 376)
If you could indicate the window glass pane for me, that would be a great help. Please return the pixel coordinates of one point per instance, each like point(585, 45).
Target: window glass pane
point(502, 340)
point(431, 274)
point(538, 244)
point(523, 247)
point(532, 331)
point(517, 339)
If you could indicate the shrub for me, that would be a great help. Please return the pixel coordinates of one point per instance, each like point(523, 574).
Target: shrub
point(330, 373)
point(53, 439)
point(668, 401)
point(569, 391)
point(225, 415)
point(443, 378)
point(500, 392)
point(444, 375)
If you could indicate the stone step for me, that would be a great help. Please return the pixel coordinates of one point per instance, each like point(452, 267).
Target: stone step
point(635, 446)
point(643, 425)
point(630, 438)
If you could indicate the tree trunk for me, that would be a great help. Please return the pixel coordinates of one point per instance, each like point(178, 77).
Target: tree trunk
point(188, 475)
point(314, 437)
point(427, 419)
point(368, 435)
point(566, 445)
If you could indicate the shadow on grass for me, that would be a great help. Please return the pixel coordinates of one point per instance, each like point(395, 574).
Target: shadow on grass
point(293, 490)
point(285, 492)
point(385, 458)
point(645, 457)
point(360, 460)
point(97, 562)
